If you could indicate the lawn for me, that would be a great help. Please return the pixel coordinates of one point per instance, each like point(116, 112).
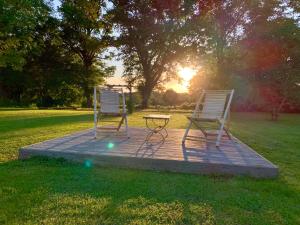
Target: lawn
point(48, 191)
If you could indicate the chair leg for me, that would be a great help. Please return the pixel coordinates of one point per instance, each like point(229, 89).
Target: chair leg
point(120, 123)
point(220, 133)
point(124, 119)
point(202, 130)
point(227, 132)
point(186, 132)
point(95, 126)
point(126, 127)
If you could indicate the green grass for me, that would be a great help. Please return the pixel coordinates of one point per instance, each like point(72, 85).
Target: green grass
point(48, 191)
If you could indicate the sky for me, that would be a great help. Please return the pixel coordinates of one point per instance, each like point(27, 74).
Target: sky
point(56, 3)
point(117, 78)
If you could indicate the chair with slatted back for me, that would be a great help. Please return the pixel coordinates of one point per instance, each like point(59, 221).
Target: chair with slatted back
point(110, 105)
point(212, 106)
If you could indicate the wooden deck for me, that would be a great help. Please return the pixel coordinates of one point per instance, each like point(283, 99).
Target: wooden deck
point(232, 158)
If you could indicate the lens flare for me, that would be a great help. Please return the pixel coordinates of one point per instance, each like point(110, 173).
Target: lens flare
point(110, 145)
point(186, 74)
point(88, 163)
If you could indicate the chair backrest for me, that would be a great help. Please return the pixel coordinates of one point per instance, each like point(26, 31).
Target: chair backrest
point(215, 104)
point(109, 100)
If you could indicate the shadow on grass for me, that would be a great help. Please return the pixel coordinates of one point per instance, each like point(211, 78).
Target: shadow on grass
point(15, 108)
point(52, 191)
point(49, 121)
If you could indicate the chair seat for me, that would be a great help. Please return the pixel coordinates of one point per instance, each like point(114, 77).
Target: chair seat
point(214, 108)
point(202, 119)
point(111, 104)
point(112, 114)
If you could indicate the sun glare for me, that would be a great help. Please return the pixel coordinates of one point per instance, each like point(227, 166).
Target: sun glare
point(186, 73)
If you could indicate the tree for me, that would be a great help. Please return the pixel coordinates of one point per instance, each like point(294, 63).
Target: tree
point(198, 83)
point(171, 97)
point(18, 21)
point(151, 39)
point(85, 32)
point(53, 76)
point(251, 46)
point(49, 76)
point(271, 62)
point(215, 33)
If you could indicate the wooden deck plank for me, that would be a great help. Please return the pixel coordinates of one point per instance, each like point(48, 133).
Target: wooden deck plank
point(233, 157)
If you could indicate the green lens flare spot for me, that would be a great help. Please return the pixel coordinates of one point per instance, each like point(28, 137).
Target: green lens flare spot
point(110, 145)
point(88, 163)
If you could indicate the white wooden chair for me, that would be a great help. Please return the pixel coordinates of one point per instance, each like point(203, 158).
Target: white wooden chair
point(109, 106)
point(212, 106)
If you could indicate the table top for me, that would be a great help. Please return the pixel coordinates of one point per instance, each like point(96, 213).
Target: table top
point(157, 116)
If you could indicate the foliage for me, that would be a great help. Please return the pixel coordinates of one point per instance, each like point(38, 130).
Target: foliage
point(54, 58)
point(130, 106)
point(46, 74)
point(86, 33)
point(150, 40)
point(57, 59)
point(18, 22)
point(274, 74)
point(253, 48)
point(170, 97)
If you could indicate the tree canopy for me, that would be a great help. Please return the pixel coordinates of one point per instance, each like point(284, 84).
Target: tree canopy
point(52, 57)
point(18, 23)
point(85, 32)
point(254, 48)
point(50, 60)
point(151, 39)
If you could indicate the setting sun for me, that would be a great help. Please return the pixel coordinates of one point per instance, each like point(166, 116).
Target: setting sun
point(186, 74)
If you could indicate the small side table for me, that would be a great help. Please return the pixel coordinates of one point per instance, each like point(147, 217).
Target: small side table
point(159, 123)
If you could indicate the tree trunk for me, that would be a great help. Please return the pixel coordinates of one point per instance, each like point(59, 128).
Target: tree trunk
point(276, 109)
point(88, 96)
point(87, 90)
point(89, 101)
point(145, 101)
point(146, 96)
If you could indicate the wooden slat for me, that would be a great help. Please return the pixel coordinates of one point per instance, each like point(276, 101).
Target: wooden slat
point(233, 157)
point(109, 101)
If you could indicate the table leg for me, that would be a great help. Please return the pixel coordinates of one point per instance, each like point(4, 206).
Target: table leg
point(159, 129)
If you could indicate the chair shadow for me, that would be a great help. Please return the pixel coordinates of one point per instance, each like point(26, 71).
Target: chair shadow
point(206, 152)
point(82, 141)
point(148, 149)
